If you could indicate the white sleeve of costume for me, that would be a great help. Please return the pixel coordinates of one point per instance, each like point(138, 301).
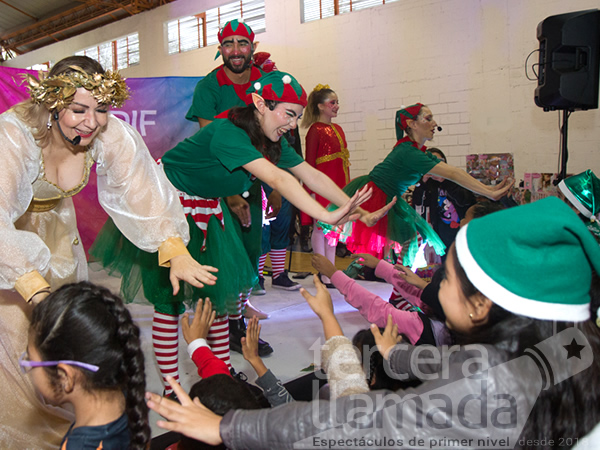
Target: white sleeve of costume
point(22, 251)
point(134, 190)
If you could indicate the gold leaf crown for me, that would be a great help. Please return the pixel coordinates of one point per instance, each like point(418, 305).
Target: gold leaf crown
point(320, 86)
point(57, 92)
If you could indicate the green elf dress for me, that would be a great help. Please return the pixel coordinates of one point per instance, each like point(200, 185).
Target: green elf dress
point(204, 168)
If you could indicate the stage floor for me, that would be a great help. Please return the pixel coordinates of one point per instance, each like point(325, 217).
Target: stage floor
point(293, 329)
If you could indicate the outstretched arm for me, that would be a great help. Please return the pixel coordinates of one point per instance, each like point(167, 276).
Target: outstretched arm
point(195, 332)
point(272, 387)
point(320, 183)
point(250, 347)
point(461, 177)
point(289, 188)
point(322, 306)
point(188, 416)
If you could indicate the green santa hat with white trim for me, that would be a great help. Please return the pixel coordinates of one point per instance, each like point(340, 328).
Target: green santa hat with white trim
point(533, 260)
point(583, 191)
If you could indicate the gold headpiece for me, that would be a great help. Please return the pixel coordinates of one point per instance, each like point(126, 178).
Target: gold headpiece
point(319, 86)
point(57, 92)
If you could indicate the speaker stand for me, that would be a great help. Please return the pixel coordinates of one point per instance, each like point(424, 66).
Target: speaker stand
point(564, 151)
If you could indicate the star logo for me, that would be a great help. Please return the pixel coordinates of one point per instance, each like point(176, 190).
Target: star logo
point(574, 349)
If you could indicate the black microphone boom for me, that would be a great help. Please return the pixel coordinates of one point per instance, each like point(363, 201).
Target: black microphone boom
point(75, 141)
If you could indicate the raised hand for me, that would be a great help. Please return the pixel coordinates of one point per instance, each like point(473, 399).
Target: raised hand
point(199, 326)
point(320, 303)
point(368, 260)
point(250, 342)
point(322, 306)
point(191, 418)
point(386, 341)
point(250, 347)
point(410, 277)
point(323, 265)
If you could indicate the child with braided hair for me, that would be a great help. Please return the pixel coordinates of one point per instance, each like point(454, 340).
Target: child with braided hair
point(84, 349)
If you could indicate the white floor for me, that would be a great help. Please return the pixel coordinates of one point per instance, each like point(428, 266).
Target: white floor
point(293, 330)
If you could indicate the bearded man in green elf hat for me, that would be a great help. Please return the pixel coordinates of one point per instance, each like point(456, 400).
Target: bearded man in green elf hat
point(225, 87)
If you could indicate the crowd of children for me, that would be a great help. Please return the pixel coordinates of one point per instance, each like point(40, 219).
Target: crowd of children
point(524, 319)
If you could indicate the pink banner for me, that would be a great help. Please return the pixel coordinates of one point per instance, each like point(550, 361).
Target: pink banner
point(12, 90)
point(156, 110)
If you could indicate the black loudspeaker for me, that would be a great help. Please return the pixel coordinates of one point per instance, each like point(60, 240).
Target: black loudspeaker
point(569, 63)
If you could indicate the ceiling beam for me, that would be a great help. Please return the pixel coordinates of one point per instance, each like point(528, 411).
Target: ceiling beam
point(18, 10)
point(89, 12)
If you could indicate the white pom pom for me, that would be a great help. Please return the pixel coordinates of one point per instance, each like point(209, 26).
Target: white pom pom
point(402, 106)
point(257, 86)
point(286, 79)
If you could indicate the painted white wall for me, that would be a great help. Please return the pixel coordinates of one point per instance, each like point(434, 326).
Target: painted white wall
point(463, 58)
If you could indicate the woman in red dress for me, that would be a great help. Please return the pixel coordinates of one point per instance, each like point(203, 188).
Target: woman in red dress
point(327, 151)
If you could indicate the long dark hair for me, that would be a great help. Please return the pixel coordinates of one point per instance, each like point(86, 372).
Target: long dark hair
point(245, 118)
point(569, 409)
point(84, 322)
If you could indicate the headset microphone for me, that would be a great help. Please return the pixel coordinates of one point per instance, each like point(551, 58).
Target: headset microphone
point(75, 141)
point(439, 128)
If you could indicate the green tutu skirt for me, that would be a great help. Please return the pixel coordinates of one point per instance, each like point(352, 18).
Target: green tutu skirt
point(399, 228)
point(223, 250)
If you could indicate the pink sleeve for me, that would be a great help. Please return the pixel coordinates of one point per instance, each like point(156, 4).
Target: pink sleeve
point(376, 310)
point(411, 293)
point(208, 364)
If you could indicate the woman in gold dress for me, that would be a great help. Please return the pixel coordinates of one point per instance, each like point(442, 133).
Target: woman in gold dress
point(47, 146)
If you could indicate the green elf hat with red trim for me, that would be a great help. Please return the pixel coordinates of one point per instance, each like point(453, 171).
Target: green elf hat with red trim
point(404, 115)
point(234, 28)
point(279, 86)
point(583, 191)
point(533, 260)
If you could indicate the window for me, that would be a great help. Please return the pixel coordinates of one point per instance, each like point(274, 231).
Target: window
point(200, 30)
point(44, 67)
point(118, 54)
point(128, 51)
point(320, 9)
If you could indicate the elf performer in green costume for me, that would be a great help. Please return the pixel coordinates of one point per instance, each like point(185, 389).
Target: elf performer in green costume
point(403, 167)
point(223, 159)
point(222, 89)
point(583, 192)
